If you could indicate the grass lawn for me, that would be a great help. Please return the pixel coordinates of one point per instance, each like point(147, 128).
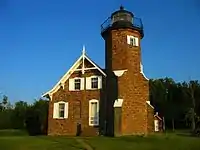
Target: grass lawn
point(169, 141)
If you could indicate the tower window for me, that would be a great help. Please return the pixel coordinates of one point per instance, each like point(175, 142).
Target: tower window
point(133, 41)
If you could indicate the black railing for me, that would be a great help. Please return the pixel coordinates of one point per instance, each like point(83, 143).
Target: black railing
point(137, 23)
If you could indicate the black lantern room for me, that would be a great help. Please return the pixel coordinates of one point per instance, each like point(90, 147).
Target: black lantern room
point(122, 19)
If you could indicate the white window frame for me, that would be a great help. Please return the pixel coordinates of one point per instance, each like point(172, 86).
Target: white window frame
point(59, 110)
point(92, 118)
point(72, 83)
point(77, 83)
point(95, 77)
point(89, 82)
point(135, 40)
point(56, 111)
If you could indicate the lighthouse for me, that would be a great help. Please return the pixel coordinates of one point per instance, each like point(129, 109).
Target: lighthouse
point(127, 88)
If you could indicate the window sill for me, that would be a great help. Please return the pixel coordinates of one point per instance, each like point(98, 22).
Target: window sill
point(61, 118)
point(93, 89)
point(75, 90)
point(133, 45)
point(93, 125)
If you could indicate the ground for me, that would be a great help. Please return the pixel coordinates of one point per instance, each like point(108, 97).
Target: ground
point(13, 140)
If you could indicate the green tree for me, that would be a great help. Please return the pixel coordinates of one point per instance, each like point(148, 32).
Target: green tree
point(19, 114)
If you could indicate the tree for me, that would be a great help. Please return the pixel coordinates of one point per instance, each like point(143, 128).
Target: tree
point(4, 102)
point(19, 114)
point(36, 117)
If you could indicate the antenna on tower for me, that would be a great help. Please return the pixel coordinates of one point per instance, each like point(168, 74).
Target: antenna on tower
point(83, 51)
point(121, 7)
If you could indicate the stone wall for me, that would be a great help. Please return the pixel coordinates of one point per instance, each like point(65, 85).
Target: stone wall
point(132, 87)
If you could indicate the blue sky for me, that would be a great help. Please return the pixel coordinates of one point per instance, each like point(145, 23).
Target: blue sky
point(41, 39)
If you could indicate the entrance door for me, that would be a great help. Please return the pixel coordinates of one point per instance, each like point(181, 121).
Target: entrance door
point(77, 116)
point(77, 110)
point(117, 121)
point(156, 125)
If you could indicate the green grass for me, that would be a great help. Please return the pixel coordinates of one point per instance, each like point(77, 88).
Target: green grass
point(169, 141)
point(156, 142)
point(12, 132)
point(38, 143)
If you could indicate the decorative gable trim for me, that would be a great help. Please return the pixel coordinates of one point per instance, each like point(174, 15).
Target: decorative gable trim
point(71, 70)
point(157, 116)
point(148, 102)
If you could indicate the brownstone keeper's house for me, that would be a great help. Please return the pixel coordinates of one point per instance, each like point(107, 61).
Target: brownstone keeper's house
point(89, 100)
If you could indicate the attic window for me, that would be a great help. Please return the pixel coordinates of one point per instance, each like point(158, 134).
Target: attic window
point(77, 84)
point(94, 83)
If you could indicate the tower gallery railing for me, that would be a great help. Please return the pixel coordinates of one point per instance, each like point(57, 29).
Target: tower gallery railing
point(137, 23)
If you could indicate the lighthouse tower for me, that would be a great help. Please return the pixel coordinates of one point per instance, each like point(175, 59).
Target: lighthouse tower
point(127, 88)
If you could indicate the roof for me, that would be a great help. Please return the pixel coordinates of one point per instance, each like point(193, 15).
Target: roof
point(71, 70)
point(157, 116)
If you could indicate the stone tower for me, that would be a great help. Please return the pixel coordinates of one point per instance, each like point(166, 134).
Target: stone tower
point(127, 88)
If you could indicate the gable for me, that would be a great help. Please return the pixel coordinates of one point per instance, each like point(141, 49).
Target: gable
point(82, 64)
point(87, 64)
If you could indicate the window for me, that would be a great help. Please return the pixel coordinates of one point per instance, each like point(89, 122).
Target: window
point(93, 112)
point(61, 110)
point(77, 84)
point(133, 41)
point(94, 83)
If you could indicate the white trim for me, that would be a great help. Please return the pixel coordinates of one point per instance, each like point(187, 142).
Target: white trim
point(142, 72)
point(148, 102)
point(56, 110)
point(156, 125)
point(81, 84)
point(88, 83)
point(118, 103)
point(71, 84)
point(119, 73)
point(66, 110)
point(95, 65)
point(70, 71)
point(91, 82)
point(128, 39)
point(136, 39)
point(97, 119)
point(92, 68)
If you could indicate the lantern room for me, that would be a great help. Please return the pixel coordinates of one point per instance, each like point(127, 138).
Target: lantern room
point(122, 19)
